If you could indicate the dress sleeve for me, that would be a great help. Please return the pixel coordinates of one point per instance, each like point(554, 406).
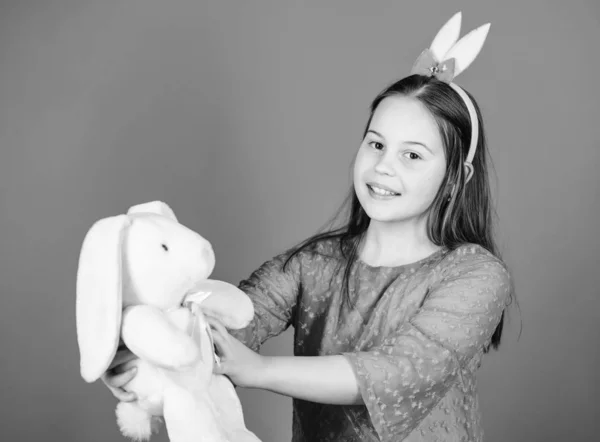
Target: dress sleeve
point(405, 377)
point(273, 292)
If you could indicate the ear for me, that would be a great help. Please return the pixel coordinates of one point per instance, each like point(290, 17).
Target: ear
point(223, 301)
point(467, 48)
point(446, 37)
point(99, 295)
point(157, 207)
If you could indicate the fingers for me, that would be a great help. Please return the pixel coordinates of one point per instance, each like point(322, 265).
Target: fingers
point(219, 368)
point(115, 382)
point(220, 343)
point(119, 374)
point(122, 395)
point(118, 380)
point(217, 325)
point(122, 356)
point(118, 377)
point(223, 352)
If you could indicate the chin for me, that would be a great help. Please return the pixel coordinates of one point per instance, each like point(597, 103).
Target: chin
point(387, 219)
point(380, 213)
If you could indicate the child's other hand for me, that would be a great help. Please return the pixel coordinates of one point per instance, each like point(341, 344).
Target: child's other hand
point(118, 375)
point(241, 364)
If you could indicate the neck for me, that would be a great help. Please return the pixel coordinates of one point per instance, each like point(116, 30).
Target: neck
point(394, 244)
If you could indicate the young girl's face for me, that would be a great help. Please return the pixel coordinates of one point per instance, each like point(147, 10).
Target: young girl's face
point(401, 162)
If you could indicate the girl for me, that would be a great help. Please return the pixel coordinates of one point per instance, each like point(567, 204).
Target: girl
point(393, 311)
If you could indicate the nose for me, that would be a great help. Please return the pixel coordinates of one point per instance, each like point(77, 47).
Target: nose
point(205, 258)
point(209, 256)
point(384, 165)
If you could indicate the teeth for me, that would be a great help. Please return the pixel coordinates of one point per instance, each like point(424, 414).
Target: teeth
point(380, 191)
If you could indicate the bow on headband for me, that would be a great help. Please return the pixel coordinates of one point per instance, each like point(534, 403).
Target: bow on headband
point(446, 58)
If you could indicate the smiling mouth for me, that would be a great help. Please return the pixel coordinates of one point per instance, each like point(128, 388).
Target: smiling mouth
point(379, 191)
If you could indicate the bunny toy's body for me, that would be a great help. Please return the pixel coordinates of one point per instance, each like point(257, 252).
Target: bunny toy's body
point(193, 390)
point(153, 296)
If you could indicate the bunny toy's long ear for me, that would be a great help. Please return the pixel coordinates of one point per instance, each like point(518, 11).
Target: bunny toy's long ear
point(223, 301)
point(99, 295)
point(157, 207)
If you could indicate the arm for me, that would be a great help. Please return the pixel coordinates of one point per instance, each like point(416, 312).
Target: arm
point(402, 379)
point(322, 379)
point(406, 376)
point(273, 292)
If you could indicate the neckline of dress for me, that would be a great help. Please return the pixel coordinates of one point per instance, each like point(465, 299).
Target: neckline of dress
point(407, 266)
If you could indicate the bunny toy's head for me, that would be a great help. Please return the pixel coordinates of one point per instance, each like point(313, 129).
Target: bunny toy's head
point(144, 257)
point(163, 258)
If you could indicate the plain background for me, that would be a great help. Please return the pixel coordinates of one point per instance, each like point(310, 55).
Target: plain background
point(244, 117)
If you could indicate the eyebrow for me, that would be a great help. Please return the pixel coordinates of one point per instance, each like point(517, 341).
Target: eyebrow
point(418, 143)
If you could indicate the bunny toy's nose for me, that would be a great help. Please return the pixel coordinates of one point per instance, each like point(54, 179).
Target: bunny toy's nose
point(207, 257)
point(208, 252)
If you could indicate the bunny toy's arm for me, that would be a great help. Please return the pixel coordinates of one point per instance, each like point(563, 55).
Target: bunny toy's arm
point(149, 334)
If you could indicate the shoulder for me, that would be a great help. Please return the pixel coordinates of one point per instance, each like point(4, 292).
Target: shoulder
point(305, 257)
point(327, 248)
point(472, 276)
point(473, 261)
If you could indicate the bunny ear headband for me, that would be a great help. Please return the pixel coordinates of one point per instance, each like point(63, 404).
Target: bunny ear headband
point(446, 58)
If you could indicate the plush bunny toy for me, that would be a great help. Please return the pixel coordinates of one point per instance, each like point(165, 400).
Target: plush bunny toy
point(142, 279)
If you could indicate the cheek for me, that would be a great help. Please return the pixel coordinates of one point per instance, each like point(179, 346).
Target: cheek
point(429, 186)
point(359, 165)
point(357, 181)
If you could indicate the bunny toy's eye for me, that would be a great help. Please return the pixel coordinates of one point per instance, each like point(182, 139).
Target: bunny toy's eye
point(164, 246)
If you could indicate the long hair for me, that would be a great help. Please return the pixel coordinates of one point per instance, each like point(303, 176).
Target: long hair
point(460, 213)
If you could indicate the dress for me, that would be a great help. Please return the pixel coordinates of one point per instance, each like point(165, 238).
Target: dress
point(414, 337)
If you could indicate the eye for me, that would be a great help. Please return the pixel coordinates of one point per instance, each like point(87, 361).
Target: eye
point(414, 156)
point(376, 145)
point(164, 246)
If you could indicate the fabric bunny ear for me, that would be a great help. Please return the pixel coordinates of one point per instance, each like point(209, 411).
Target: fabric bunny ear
point(223, 301)
point(157, 207)
point(447, 58)
point(99, 295)
point(446, 37)
point(467, 48)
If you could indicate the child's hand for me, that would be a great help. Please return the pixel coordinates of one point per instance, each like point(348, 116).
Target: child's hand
point(118, 375)
point(242, 365)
